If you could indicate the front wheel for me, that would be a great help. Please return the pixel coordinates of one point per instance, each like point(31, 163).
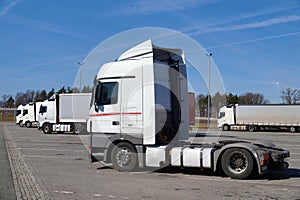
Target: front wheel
point(237, 163)
point(124, 157)
point(226, 127)
point(28, 124)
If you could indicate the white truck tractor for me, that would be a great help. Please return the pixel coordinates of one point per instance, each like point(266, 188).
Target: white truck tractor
point(30, 114)
point(139, 118)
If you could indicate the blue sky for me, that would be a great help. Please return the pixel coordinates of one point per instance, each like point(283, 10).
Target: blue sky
point(255, 44)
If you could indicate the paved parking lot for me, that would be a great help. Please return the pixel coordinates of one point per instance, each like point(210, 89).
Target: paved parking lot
point(57, 167)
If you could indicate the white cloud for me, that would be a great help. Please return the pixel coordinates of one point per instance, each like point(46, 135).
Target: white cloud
point(8, 7)
point(45, 26)
point(155, 6)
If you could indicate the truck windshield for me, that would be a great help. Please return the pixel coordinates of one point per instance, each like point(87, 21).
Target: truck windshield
point(107, 93)
point(25, 112)
point(18, 112)
point(221, 115)
point(43, 109)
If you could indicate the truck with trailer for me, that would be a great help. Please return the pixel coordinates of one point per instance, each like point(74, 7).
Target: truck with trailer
point(19, 115)
point(139, 118)
point(30, 114)
point(259, 117)
point(64, 113)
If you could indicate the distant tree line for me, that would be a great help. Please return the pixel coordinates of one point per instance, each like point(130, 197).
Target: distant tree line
point(8, 101)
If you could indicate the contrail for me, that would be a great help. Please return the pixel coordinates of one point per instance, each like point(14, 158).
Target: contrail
point(254, 40)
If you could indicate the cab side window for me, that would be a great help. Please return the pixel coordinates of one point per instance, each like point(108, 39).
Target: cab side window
point(106, 93)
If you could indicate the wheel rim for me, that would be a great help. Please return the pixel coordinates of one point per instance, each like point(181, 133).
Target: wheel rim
point(238, 162)
point(46, 129)
point(123, 157)
point(251, 128)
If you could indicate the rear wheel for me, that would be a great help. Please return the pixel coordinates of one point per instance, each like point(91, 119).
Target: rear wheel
point(252, 128)
point(47, 128)
point(124, 157)
point(237, 163)
point(292, 129)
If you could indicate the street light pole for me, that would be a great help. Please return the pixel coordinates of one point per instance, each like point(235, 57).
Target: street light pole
point(208, 97)
point(80, 75)
point(279, 84)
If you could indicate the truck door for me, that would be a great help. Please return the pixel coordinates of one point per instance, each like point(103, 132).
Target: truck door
point(105, 116)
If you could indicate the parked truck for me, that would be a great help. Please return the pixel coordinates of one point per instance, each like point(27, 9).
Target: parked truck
point(30, 114)
point(139, 118)
point(65, 113)
point(19, 115)
point(259, 117)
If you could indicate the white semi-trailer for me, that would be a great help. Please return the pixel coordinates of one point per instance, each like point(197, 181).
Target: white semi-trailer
point(139, 117)
point(65, 113)
point(259, 117)
point(19, 115)
point(30, 114)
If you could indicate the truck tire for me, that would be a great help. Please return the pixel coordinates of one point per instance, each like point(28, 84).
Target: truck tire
point(226, 127)
point(124, 157)
point(47, 128)
point(237, 163)
point(292, 129)
point(20, 123)
point(28, 124)
point(251, 128)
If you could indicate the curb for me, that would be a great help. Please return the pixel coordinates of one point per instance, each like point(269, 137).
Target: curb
point(26, 186)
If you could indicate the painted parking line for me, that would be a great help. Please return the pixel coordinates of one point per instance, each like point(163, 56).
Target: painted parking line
point(41, 149)
point(55, 157)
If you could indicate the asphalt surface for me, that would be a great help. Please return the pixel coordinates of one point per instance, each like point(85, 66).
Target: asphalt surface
point(58, 166)
point(6, 187)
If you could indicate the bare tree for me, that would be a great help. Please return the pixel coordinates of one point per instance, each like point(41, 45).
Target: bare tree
point(290, 96)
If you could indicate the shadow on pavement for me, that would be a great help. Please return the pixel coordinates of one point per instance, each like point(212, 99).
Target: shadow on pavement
point(287, 174)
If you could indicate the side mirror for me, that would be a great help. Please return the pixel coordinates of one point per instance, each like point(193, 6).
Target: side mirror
point(96, 107)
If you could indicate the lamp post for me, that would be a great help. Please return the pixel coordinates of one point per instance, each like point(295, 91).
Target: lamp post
point(80, 75)
point(208, 96)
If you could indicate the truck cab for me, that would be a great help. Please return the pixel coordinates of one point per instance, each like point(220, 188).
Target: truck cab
point(47, 113)
point(140, 99)
point(19, 115)
point(226, 117)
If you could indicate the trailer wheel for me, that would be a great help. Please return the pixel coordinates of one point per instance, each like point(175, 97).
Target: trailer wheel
point(46, 128)
point(226, 127)
point(237, 163)
point(292, 129)
point(28, 124)
point(124, 157)
point(252, 128)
